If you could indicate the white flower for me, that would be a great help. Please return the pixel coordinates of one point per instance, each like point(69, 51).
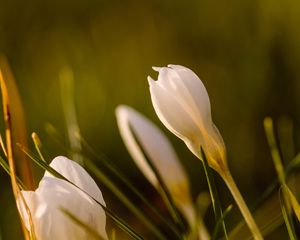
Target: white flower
point(138, 132)
point(182, 104)
point(54, 194)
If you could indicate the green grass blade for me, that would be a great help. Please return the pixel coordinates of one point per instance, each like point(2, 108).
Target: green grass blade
point(93, 234)
point(5, 166)
point(292, 166)
point(38, 145)
point(113, 234)
point(285, 215)
point(163, 190)
point(285, 204)
point(294, 202)
point(110, 185)
point(219, 224)
point(103, 159)
point(120, 223)
point(67, 98)
point(213, 192)
point(107, 163)
point(274, 220)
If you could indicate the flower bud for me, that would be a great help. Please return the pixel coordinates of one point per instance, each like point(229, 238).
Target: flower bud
point(47, 202)
point(182, 104)
point(145, 141)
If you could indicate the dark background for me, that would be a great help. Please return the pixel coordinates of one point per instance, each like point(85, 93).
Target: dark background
point(247, 53)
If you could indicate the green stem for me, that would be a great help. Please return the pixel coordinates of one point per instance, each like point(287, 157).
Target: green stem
point(135, 210)
point(241, 204)
point(213, 192)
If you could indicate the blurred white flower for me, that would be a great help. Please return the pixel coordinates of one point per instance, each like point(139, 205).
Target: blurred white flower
point(142, 136)
point(54, 194)
point(182, 104)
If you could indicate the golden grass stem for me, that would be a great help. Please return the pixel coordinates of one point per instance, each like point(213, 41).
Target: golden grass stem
point(17, 122)
point(9, 147)
point(242, 205)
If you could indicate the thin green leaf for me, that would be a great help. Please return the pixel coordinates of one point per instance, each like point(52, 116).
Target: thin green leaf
point(285, 204)
point(67, 98)
point(5, 166)
point(108, 163)
point(213, 192)
point(113, 234)
point(120, 223)
point(93, 234)
point(38, 145)
point(124, 199)
point(274, 220)
point(163, 190)
point(292, 166)
point(220, 222)
point(293, 201)
point(286, 215)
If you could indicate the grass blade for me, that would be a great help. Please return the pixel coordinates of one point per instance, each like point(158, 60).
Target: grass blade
point(67, 98)
point(213, 192)
point(285, 203)
point(285, 214)
point(5, 166)
point(294, 202)
point(270, 208)
point(121, 223)
point(107, 163)
point(106, 181)
point(220, 223)
point(17, 122)
point(93, 234)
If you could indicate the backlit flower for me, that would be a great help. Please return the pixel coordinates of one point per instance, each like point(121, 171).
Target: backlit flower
point(54, 194)
point(182, 104)
point(144, 140)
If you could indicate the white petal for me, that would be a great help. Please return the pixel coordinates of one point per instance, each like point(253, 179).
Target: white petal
point(196, 90)
point(123, 121)
point(135, 127)
point(53, 194)
point(186, 86)
point(172, 114)
point(181, 102)
point(51, 221)
point(77, 175)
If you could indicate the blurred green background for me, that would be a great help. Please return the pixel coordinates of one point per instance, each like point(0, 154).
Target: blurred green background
point(247, 53)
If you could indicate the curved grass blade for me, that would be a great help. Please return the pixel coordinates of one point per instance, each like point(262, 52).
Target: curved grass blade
point(106, 181)
point(93, 234)
point(121, 223)
point(270, 208)
point(67, 98)
point(10, 152)
point(294, 202)
point(5, 166)
point(107, 163)
point(286, 214)
point(285, 204)
point(98, 173)
point(38, 145)
point(163, 191)
point(292, 166)
point(213, 192)
point(17, 122)
point(220, 223)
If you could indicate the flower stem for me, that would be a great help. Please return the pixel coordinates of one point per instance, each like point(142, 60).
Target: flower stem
point(241, 204)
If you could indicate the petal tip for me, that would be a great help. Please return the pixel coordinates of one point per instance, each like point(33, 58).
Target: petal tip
point(150, 80)
point(157, 69)
point(121, 111)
